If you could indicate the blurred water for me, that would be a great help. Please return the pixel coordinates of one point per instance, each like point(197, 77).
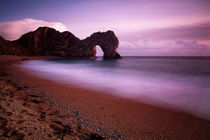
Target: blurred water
point(181, 83)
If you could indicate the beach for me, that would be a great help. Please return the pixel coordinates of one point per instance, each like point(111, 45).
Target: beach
point(37, 108)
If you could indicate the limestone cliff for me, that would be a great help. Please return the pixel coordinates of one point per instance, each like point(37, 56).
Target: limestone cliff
point(48, 41)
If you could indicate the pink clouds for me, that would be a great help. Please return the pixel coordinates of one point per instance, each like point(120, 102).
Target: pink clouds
point(160, 48)
point(186, 40)
point(12, 30)
point(198, 32)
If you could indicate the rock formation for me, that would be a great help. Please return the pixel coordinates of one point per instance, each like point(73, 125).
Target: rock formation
point(47, 41)
point(12, 48)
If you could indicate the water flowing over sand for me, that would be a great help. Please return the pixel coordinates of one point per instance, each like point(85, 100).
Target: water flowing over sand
point(181, 83)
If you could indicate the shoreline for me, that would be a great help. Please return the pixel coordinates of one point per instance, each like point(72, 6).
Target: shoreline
point(27, 113)
point(111, 116)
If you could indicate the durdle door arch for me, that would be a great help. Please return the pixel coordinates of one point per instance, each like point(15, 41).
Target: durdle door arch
point(108, 43)
point(47, 41)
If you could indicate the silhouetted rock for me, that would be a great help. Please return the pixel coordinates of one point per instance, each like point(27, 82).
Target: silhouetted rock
point(10, 47)
point(106, 40)
point(47, 41)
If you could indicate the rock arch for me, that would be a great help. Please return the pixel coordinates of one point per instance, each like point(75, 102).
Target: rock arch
point(107, 41)
point(48, 41)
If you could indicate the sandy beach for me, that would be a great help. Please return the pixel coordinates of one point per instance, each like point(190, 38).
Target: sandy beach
point(36, 108)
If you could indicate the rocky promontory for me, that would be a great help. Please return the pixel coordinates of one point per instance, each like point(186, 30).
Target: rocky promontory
point(47, 41)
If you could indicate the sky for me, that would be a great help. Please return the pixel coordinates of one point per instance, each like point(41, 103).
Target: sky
point(144, 27)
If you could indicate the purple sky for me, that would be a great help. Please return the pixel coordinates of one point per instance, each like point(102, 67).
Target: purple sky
point(144, 27)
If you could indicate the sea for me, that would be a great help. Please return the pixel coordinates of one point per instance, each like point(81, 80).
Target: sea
point(180, 83)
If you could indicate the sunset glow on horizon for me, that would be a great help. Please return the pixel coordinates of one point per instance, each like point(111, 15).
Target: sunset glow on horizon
point(175, 27)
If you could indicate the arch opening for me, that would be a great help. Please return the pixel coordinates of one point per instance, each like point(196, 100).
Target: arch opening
point(96, 52)
point(99, 51)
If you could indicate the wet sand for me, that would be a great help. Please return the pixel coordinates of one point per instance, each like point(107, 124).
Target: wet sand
point(92, 112)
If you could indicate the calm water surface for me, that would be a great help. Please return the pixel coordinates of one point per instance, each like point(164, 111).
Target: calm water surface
point(181, 83)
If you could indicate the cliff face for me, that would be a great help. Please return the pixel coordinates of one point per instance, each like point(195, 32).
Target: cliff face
point(10, 47)
point(48, 41)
